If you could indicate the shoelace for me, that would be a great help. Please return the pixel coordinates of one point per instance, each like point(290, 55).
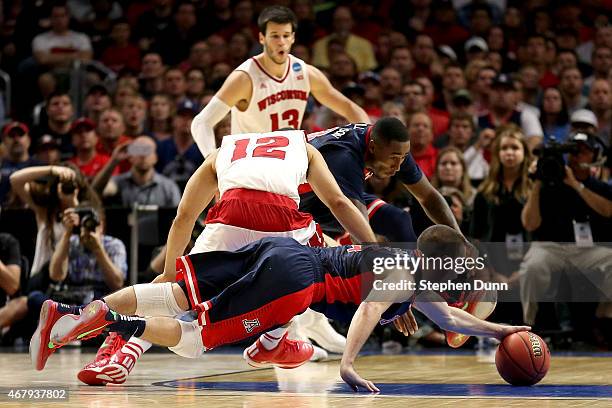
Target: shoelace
point(113, 345)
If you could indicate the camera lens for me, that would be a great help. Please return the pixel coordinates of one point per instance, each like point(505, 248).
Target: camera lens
point(68, 187)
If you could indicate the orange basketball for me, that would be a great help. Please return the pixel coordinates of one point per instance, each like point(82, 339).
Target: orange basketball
point(522, 358)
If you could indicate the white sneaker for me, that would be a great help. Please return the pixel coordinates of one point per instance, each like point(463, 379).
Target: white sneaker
point(315, 326)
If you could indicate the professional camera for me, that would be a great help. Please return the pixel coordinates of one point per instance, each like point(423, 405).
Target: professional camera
point(551, 164)
point(89, 219)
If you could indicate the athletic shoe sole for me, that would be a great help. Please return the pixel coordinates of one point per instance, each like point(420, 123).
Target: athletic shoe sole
point(88, 324)
point(477, 308)
point(109, 374)
point(268, 364)
point(40, 345)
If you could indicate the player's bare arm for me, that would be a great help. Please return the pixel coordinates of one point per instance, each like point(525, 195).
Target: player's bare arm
point(433, 203)
point(235, 91)
point(325, 187)
point(199, 192)
point(364, 321)
point(454, 319)
point(327, 95)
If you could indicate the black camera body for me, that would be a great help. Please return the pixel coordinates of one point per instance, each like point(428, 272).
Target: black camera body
point(551, 164)
point(88, 219)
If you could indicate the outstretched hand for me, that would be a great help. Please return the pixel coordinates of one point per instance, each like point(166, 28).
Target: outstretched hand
point(350, 376)
point(406, 323)
point(508, 330)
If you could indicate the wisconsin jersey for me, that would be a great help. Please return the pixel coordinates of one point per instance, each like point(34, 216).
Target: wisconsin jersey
point(275, 103)
point(275, 162)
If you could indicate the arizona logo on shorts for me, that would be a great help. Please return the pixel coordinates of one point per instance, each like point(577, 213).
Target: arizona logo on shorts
point(249, 325)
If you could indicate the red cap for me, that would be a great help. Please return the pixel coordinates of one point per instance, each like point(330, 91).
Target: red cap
point(82, 122)
point(15, 125)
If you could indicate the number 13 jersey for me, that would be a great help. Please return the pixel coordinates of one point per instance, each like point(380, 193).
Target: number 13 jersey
point(275, 102)
point(276, 162)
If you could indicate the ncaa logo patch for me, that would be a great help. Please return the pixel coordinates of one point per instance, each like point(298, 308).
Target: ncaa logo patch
point(296, 67)
point(250, 325)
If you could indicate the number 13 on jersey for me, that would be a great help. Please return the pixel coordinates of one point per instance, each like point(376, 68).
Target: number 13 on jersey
point(292, 117)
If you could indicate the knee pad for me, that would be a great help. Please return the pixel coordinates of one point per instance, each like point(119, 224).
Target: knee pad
point(156, 299)
point(190, 345)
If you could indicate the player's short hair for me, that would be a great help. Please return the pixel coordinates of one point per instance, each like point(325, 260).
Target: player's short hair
point(278, 15)
point(389, 129)
point(441, 241)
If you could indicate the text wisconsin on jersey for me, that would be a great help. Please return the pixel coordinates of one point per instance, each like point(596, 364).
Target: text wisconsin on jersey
point(281, 96)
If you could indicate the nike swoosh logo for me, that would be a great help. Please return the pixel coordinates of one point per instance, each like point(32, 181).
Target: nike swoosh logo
point(80, 336)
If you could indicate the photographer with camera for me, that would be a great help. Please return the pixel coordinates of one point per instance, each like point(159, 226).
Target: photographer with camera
point(567, 205)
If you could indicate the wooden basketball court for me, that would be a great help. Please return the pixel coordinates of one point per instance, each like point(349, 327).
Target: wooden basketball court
point(224, 380)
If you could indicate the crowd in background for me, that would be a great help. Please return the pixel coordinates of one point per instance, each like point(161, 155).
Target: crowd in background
point(479, 85)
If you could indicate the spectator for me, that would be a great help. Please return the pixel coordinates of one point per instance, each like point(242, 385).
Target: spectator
point(460, 132)
point(401, 60)
point(214, 17)
point(481, 88)
point(372, 97)
point(583, 120)
point(462, 102)
point(600, 102)
point(151, 76)
point(425, 62)
point(503, 110)
point(179, 156)
point(59, 110)
point(175, 40)
point(358, 48)
point(390, 84)
point(218, 49)
point(553, 116)
point(121, 53)
point(439, 119)
point(85, 139)
point(451, 171)
point(393, 109)
point(421, 138)
point(48, 191)
point(584, 218)
point(602, 38)
point(47, 151)
point(111, 132)
point(196, 84)
point(475, 49)
point(453, 80)
point(238, 48)
point(175, 84)
point(571, 85)
point(536, 53)
point(529, 84)
point(243, 20)
point(476, 156)
point(199, 57)
point(152, 22)
point(601, 62)
point(142, 184)
point(160, 117)
point(60, 46)
point(502, 195)
point(86, 264)
point(10, 268)
point(16, 140)
point(97, 100)
point(413, 96)
point(134, 112)
point(445, 29)
point(342, 70)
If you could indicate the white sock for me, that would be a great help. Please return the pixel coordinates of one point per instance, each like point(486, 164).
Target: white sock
point(271, 339)
point(137, 345)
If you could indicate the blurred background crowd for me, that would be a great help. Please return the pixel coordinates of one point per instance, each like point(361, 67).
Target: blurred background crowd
point(97, 99)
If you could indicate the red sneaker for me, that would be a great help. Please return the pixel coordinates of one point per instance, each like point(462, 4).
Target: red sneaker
point(111, 345)
point(114, 370)
point(287, 354)
point(41, 347)
point(90, 323)
point(480, 304)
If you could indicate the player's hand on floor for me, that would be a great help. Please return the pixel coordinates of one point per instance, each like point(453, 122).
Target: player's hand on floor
point(508, 330)
point(350, 376)
point(406, 323)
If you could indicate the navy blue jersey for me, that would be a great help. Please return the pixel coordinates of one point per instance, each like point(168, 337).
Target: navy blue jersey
point(275, 274)
point(344, 149)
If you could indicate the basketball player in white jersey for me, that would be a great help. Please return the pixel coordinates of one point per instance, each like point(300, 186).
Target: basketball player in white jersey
point(269, 91)
point(244, 164)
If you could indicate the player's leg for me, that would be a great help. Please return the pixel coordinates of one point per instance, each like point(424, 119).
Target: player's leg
point(389, 221)
point(117, 356)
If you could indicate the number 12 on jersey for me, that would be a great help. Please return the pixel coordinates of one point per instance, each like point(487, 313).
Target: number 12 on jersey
point(265, 147)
